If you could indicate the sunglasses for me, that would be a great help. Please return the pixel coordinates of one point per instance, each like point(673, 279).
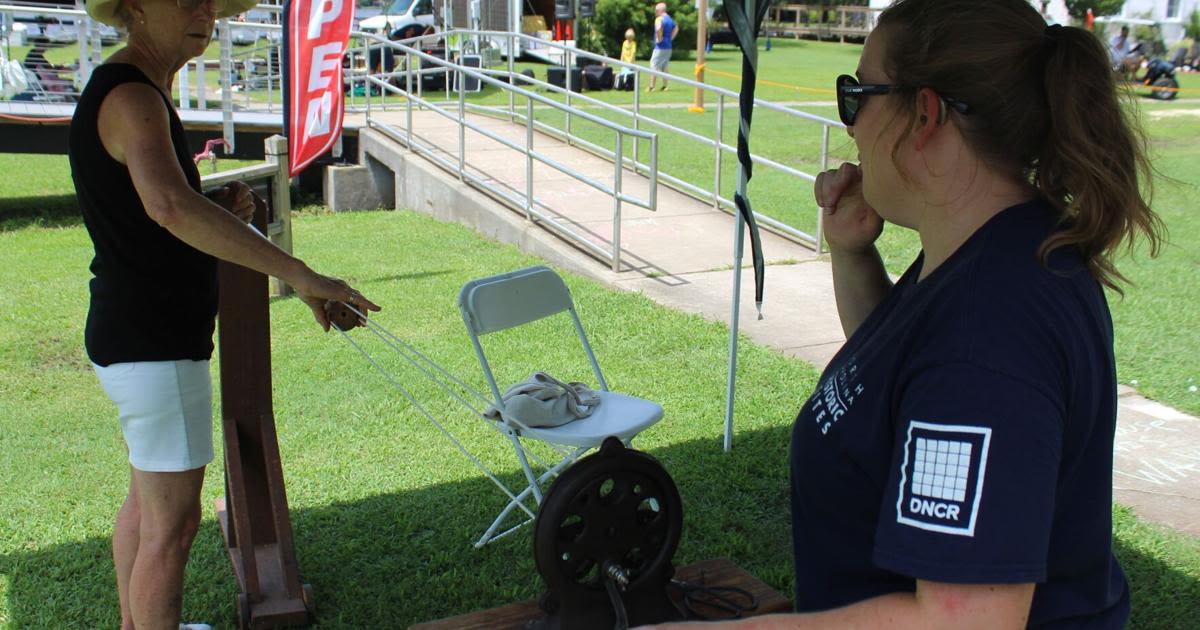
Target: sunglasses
point(851, 93)
point(192, 5)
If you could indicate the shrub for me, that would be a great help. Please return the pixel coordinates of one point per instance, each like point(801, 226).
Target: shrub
point(604, 33)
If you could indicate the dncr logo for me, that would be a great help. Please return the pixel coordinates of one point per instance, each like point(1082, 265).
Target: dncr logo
point(941, 479)
point(926, 507)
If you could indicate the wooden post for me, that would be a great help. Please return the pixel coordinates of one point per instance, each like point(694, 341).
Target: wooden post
point(279, 227)
point(254, 514)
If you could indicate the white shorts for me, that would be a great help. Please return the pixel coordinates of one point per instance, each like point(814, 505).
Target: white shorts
point(659, 59)
point(166, 412)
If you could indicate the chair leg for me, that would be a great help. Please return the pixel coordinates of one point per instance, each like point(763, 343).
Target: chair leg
point(534, 488)
point(512, 505)
point(533, 484)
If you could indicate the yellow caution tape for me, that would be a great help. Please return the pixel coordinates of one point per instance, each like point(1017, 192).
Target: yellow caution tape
point(776, 84)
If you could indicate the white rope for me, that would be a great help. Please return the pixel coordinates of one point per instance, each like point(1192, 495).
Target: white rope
point(402, 347)
point(412, 399)
point(395, 341)
point(424, 364)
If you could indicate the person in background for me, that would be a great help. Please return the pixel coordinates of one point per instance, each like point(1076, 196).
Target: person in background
point(47, 73)
point(953, 468)
point(153, 305)
point(665, 32)
point(628, 55)
point(1120, 47)
point(629, 46)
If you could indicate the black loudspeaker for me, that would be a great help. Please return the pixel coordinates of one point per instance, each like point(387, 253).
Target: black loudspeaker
point(557, 76)
point(587, 8)
point(598, 77)
point(472, 83)
point(433, 75)
point(564, 9)
point(625, 81)
point(519, 80)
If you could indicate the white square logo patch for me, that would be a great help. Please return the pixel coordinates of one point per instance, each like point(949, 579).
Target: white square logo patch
point(941, 479)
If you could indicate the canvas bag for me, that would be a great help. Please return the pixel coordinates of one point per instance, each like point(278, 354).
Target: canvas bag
point(12, 79)
point(544, 401)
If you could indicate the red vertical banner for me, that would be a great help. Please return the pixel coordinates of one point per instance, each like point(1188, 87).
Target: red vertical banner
point(317, 32)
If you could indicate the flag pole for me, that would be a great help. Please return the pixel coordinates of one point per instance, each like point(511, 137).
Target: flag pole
point(745, 21)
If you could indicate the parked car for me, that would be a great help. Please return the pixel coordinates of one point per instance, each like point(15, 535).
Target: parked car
point(399, 13)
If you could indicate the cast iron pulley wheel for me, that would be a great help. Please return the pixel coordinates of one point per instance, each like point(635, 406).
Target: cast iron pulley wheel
point(617, 507)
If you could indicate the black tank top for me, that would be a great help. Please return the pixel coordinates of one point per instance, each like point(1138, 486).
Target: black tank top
point(153, 297)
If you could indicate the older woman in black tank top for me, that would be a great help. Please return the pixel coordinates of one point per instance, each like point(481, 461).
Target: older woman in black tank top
point(154, 291)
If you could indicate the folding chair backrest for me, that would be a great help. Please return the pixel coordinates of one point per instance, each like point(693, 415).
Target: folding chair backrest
point(507, 300)
point(511, 299)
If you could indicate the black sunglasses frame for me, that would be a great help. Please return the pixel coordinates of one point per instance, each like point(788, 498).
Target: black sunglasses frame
point(850, 90)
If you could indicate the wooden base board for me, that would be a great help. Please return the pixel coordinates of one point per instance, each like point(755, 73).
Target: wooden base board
point(718, 572)
point(276, 607)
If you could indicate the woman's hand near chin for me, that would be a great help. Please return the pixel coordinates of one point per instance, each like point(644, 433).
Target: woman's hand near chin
point(851, 226)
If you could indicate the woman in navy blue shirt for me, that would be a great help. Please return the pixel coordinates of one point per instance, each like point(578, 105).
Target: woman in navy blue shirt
point(954, 466)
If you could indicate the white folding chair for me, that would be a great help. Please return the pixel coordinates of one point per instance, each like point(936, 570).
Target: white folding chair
point(511, 299)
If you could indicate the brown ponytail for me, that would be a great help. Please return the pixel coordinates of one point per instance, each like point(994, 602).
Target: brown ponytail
point(1044, 106)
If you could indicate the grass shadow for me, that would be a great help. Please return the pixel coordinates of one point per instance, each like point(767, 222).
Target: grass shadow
point(17, 213)
point(419, 275)
point(391, 560)
point(394, 559)
point(1162, 596)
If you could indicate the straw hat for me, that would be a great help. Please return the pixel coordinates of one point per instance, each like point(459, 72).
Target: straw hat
point(106, 10)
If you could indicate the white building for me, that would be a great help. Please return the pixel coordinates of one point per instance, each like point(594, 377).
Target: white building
point(1173, 15)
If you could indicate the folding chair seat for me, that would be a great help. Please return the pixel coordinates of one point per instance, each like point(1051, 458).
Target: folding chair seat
point(509, 300)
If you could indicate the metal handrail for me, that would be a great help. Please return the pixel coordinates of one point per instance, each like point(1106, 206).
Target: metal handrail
point(639, 118)
point(89, 45)
point(528, 201)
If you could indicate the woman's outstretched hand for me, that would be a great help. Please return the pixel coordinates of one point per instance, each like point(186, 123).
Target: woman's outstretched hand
point(315, 290)
point(851, 226)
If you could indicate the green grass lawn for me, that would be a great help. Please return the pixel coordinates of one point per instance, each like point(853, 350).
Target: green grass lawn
point(384, 509)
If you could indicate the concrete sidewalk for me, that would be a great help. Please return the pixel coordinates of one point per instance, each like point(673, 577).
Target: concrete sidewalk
point(681, 256)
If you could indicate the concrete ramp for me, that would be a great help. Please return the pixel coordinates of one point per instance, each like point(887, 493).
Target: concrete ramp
point(680, 254)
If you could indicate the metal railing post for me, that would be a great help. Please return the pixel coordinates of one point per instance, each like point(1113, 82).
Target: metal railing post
point(528, 158)
point(820, 235)
point(462, 120)
point(201, 84)
point(85, 42)
point(408, 80)
point(654, 173)
point(637, 90)
point(226, 70)
point(271, 78)
point(511, 77)
point(185, 95)
point(567, 82)
point(366, 78)
point(616, 255)
point(420, 77)
point(717, 160)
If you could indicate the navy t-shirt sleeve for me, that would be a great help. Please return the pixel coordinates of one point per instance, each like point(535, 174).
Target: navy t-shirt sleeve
point(971, 494)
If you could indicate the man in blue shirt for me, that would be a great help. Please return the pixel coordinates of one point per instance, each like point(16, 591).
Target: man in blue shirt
point(665, 31)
